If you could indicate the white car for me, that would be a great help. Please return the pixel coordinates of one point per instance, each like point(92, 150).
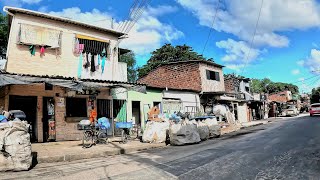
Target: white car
point(291, 110)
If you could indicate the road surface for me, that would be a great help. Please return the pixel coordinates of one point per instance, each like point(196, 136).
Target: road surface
point(285, 149)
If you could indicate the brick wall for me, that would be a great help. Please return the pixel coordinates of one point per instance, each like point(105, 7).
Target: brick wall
point(229, 85)
point(65, 130)
point(175, 76)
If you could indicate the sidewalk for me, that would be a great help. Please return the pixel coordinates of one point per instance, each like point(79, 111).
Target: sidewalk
point(254, 123)
point(72, 150)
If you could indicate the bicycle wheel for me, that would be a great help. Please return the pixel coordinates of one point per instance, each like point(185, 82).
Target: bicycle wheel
point(124, 136)
point(87, 139)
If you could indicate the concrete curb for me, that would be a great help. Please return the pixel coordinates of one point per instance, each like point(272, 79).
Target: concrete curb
point(74, 157)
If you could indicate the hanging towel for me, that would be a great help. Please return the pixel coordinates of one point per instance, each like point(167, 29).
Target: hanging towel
point(42, 50)
point(93, 67)
point(81, 48)
point(103, 63)
point(76, 46)
point(32, 50)
point(80, 66)
point(96, 62)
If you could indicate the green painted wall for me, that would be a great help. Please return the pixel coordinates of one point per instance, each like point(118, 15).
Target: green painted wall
point(146, 102)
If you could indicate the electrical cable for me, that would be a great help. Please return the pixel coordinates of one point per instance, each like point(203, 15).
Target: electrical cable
point(211, 27)
point(254, 34)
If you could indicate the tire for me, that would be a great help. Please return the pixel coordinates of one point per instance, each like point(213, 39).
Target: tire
point(87, 139)
point(124, 136)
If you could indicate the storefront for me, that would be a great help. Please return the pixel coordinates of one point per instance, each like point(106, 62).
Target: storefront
point(55, 106)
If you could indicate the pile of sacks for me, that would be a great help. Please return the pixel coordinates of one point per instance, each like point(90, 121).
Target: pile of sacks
point(189, 132)
point(155, 132)
point(15, 154)
point(182, 132)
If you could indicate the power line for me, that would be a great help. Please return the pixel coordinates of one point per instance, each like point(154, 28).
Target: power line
point(137, 15)
point(211, 27)
point(254, 34)
point(306, 79)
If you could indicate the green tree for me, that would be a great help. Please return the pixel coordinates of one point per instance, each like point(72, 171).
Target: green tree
point(267, 86)
point(168, 53)
point(130, 59)
point(3, 33)
point(315, 95)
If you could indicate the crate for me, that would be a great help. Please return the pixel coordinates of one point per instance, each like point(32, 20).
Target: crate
point(123, 125)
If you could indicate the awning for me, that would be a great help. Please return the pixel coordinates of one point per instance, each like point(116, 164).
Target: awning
point(10, 79)
point(72, 84)
point(91, 38)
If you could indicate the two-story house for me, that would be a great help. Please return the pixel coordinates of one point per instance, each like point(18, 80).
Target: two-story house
point(183, 81)
point(59, 71)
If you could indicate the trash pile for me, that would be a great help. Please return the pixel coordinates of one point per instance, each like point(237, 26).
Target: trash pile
point(15, 154)
point(180, 130)
point(155, 132)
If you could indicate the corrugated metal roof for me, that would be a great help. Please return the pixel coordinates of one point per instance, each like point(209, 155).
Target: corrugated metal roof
point(14, 10)
point(72, 78)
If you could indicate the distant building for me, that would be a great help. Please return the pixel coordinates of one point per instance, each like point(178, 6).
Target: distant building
point(281, 97)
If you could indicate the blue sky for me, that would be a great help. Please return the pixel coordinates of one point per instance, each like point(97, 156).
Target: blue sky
point(285, 48)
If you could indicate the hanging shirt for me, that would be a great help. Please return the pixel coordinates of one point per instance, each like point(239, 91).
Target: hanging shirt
point(99, 59)
point(93, 67)
point(80, 65)
point(96, 62)
point(103, 62)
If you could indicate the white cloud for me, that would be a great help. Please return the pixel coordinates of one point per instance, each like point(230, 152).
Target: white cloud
point(239, 18)
point(148, 34)
point(313, 61)
point(236, 67)
point(295, 71)
point(238, 52)
point(300, 63)
point(161, 10)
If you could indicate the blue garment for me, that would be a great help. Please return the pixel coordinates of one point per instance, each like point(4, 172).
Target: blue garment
point(3, 119)
point(103, 63)
point(103, 123)
point(80, 66)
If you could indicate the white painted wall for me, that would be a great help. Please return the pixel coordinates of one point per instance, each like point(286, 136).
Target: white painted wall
point(211, 85)
point(242, 113)
point(65, 63)
point(187, 98)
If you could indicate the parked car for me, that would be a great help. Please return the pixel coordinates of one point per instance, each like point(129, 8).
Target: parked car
point(291, 110)
point(314, 109)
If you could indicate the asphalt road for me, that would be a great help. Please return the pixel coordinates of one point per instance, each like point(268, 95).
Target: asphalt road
point(284, 149)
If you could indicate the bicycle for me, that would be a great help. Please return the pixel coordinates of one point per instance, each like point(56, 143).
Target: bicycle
point(94, 135)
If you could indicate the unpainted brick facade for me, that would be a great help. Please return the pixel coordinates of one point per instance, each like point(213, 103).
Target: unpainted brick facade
point(175, 76)
point(66, 128)
point(184, 76)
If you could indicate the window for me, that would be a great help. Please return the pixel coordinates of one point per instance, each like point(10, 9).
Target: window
point(76, 107)
point(48, 87)
point(247, 88)
point(212, 75)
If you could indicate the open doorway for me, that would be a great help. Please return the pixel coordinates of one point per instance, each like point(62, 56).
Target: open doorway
point(48, 121)
point(27, 104)
point(136, 112)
